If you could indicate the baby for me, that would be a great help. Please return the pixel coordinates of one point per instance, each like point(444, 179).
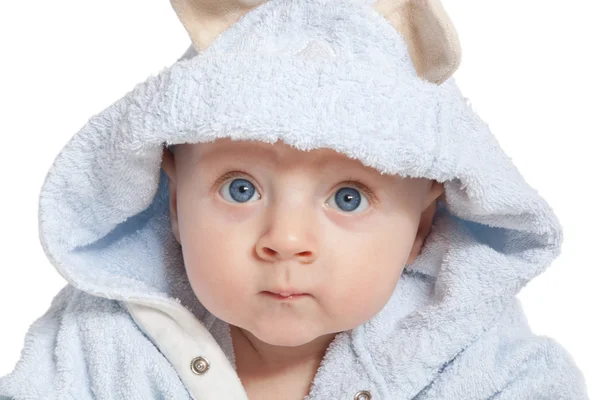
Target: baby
point(303, 206)
point(320, 242)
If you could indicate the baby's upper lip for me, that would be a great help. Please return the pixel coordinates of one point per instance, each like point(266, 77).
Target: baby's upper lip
point(288, 291)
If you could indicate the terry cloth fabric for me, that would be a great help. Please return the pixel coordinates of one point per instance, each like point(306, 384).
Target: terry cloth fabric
point(314, 74)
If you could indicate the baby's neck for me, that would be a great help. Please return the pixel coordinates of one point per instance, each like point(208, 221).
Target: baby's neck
point(276, 372)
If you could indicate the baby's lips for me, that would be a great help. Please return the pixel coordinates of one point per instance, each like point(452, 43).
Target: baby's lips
point(285, 295)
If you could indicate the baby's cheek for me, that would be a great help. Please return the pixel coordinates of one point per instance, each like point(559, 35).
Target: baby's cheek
point(213, 289)
point(216, 279)
point(358, 299)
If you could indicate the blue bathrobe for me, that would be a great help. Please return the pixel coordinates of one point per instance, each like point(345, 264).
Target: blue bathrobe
point(324, 75)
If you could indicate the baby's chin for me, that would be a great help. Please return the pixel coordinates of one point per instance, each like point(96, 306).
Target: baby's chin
point(286, 333)
point(285, 337)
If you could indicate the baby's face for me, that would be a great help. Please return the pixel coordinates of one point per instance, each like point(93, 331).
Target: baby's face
point(255, 219)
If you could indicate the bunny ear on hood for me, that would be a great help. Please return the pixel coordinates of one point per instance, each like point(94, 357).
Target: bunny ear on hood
point(204, 20)
point(371, 80)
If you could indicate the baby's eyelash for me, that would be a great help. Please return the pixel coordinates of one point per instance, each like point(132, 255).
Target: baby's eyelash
point(216, 184)
point(360, 185)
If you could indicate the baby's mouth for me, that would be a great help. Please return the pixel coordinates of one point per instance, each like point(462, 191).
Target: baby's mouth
point(285, 295)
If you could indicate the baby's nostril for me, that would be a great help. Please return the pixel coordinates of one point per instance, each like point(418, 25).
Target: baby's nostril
point(270, 252)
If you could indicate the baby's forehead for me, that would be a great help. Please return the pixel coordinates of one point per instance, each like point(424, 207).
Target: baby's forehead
point(278, 153)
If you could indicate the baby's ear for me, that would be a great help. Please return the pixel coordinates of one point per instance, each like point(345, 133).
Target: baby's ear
point(168, 163)
point(429, 33)
point(204, 20)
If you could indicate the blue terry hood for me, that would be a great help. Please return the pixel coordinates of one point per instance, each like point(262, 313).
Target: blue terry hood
point(316, 74)
point(101, 210)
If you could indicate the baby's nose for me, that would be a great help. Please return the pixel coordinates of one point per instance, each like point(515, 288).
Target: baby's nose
point(292, 236)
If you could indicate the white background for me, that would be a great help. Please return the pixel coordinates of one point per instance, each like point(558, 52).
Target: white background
point(530, 69)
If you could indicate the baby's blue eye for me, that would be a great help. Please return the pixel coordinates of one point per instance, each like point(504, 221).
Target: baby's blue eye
point(240, 190)
point(348, 199)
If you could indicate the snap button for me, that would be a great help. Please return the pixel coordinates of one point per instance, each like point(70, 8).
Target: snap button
point(199, 365)
point(363, 395)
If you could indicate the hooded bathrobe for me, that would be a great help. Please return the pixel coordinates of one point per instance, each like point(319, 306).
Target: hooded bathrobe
point(314, 74)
